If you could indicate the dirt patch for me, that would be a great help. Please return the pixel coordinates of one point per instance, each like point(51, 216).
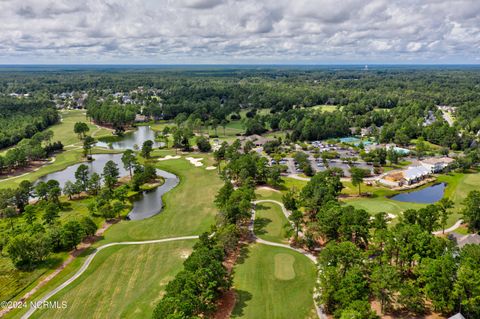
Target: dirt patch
point(32, 166)
point(377, 308)
point(225, 305)
point(227, 301)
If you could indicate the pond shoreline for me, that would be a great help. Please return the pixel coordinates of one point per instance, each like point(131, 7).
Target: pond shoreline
point(426, 195)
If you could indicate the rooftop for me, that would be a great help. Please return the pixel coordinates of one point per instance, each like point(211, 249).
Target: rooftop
point(437, 160)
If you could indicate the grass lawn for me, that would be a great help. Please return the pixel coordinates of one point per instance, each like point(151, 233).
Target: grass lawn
point(325, 108)
point(122, 282)
point(289, 183)
point(188, 209)
point(262, 193)
point(270, 222)
point(15, 282)
point(382, 204)
point(63, 131)
point(274, 282)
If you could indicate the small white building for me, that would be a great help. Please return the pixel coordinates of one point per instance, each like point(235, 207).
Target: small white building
point(414, 174)
point(436, 164)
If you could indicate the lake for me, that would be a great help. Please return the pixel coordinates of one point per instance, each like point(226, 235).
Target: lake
point(132, 139)
point(427, 195)
point(149, 203)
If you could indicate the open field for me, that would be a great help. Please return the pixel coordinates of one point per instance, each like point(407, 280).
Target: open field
point(274, 282)
point(63, 131)
point(123, 282)
point(270, 222)
point(188, 210)
point(325, 108)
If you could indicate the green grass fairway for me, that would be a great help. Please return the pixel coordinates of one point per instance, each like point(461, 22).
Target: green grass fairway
point(262, 193)
point(274, 282)
point(270, 222)
point(188, 210)
point(382, 204)
point(63, 131)
point(284, 267)
point(122, 282)
point(325, 108)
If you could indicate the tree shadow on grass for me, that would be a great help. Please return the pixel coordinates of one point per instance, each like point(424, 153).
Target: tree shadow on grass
point(244, 252)
point(66, 207)
point(242, 297)
point(260, 224)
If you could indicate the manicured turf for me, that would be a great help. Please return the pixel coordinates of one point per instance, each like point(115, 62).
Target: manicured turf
point(382, 204)
point(325, 108)
point(274, 282)
point(63, 131)
point(262, 193)
point(189, 208)
point(123, 282)
point(270, 222)
point(458, 187)
point(14, 281)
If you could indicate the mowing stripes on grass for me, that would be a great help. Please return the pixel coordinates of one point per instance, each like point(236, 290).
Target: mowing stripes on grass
point(284, 267)
point(260, 294)
point(122, 282)
point(270, 222)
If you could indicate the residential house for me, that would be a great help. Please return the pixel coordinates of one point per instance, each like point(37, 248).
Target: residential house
point(463, 240)
point(436, 164)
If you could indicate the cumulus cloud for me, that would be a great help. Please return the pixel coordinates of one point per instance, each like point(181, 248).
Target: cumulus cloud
point(239, 31)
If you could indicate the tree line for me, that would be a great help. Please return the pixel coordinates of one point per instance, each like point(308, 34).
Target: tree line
point(38, 147)
point(23, 117)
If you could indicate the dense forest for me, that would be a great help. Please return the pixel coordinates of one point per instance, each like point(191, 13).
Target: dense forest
point(23, 117)
point(397, 99)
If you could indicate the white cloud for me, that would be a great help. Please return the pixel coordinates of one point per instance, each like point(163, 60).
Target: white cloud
point(239, 31)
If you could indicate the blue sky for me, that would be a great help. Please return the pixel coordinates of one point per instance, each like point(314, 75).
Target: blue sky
point(241, 31)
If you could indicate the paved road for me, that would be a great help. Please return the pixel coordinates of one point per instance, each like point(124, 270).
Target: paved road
point(89, 259)
point(447, 117)
point(449, 230)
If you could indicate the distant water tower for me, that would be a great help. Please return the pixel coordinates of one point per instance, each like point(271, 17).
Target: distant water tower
point(365, 68)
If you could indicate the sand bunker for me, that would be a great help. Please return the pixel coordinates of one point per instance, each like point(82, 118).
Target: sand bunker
point(195, 161)
point(210, 168)
point(169, 157)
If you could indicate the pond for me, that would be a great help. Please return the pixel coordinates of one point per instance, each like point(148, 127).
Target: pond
point(132, 139)
point(146, 205)
point(428, 195)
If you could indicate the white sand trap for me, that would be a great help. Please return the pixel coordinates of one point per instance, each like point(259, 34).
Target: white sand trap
point(195, 161)
point(169, 157)
point(390, 216)
point(210, 168)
